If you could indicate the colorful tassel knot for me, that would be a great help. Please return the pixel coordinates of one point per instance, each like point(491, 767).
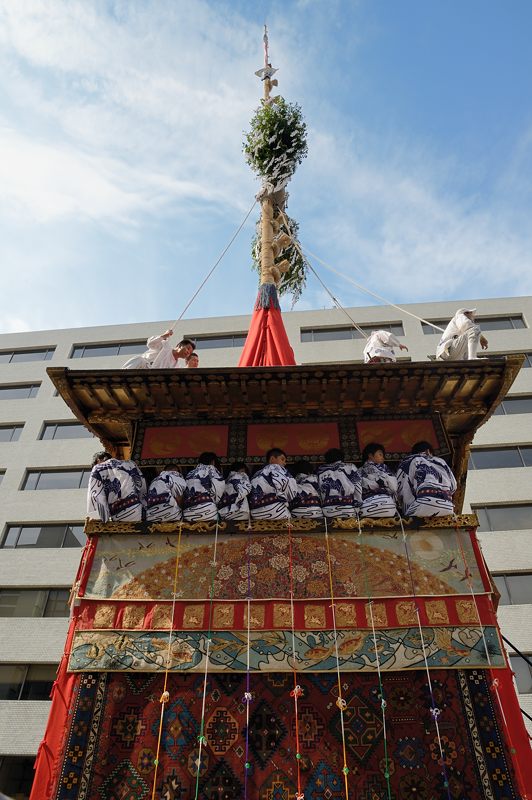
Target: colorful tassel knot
point(435, 712)
point(202, 740)
point(165, 697)
point(297, 691)
point(300, 796)
point(248, 697)
point(341, 703)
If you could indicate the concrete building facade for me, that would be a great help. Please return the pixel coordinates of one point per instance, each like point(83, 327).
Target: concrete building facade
point(45, 457)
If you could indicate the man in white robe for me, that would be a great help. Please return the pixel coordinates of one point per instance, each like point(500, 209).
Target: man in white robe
point(461, 338)
point(306, 504)
point(272, 488)
point(234, 503)
point(379, 484)
point(426, 484)
point(204, 489)
point(117, 490)
point(379, 347)
point(340, 486)
point(165, 496)
point(161, 354)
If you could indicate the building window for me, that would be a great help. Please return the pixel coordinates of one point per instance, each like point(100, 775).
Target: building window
point(19, 392)
point(348, 332)
point(515, 405)
point(523, 674)
point(527, 363)
point(500, 457)
point(16, 776)
point(515, 589)
point(109, 349)
point(10, 433)
point(26, 682)
point(63, 534)
point(56, 479)
point(218, 340)
point(17, 356)
point(2, 473)
point(504, 518)
point(503, 323)
point(34, 602)
point(65, 430)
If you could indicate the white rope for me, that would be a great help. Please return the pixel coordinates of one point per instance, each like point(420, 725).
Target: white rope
point(435, 712)
point(207, 649)
point(495, 682)
point(224, 251)
point(336, 302)
point(381, 687)
point(307, 253)
point(341, 703)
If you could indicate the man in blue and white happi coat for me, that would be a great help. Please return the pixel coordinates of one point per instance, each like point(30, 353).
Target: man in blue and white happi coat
point(165, 496)
point(234, 503)
point(306, 504)
point(340, 486)
point(204, 489)
point(426, 484)
point(272, 488)
point(117, 490)
point(379, 484)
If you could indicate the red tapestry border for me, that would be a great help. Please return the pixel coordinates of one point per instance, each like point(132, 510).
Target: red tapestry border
point(277, 615)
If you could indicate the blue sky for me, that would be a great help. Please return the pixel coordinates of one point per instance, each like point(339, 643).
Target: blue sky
point(122, 176)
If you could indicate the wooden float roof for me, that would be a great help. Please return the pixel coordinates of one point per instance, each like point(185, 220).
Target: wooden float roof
point(464, 393)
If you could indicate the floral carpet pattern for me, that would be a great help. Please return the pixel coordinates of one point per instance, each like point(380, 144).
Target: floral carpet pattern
point(111, 742)
point(371, 564)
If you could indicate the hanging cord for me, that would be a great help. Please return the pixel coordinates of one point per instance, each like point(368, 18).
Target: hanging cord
point(381, 687)
point(434, 710)
point(248, 697)
point(201, 738)
point(336, 302)
point(495, 681)
point(224, 251)
point(165, 696)
point(368, 291)
point(340, 702)
point(297, 691)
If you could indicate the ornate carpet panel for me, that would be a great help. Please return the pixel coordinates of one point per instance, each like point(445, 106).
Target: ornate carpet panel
point(374, 564)
point(112, 739)
point(272, 651)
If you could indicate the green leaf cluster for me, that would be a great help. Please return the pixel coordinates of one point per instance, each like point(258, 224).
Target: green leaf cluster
point(276, 142)
point(293, 281)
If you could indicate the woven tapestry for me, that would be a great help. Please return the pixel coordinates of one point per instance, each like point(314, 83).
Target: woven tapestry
point(112, 739)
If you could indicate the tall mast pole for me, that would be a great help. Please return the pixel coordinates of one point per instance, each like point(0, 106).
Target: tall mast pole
point(269, 274)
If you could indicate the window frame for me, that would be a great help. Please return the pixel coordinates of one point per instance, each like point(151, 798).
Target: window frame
point(32, 387)
point(40, 472)
point(140, 347)
point(48, 352)
point(505, 577)
point(43, 603)
point(502, 410)
point(61, 424)
point(24, 682)
point(517, 448)
point(482, 512)
point(217, 341)
point(14, 427)
point(391, 327)
point(67, 526)
point(480, 320)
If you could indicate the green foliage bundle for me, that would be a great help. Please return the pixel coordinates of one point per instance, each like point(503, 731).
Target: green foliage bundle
point(277, 142)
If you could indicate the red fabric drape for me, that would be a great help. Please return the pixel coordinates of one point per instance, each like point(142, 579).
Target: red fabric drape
point(50, 753)
point(267, 344)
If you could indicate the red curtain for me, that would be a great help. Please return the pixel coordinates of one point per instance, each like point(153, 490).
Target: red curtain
point(267, 344)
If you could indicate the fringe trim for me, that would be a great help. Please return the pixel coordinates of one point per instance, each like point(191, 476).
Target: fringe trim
point(267, 297)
